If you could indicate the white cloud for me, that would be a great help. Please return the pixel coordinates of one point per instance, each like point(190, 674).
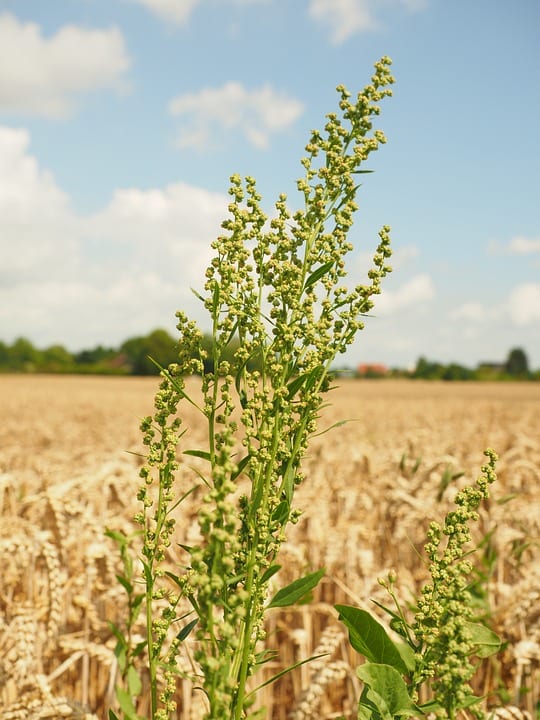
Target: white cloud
point(35, 216)
point(46, 76)
point(470, 311)
point(345, 18)
point(518, 245)
point(524, 304)
point(417, 290)
point(177, 12)
point(256, 113)
point(164, 229)
point(82, 280)
point(523, 246)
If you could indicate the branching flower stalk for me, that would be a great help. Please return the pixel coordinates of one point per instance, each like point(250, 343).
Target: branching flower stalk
point(442, 623)
point(435, 658)
point(280, 315)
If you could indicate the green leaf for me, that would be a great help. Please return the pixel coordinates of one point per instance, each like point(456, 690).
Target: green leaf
point(118, 536)
point(387, 691)
point(199, 453)
point(147, 572)
point(340, 423)
point(370, 639)
point(486, 642)
point(137, 650)
point(287, 484)
point(126, 704)
point(133, 681)
point(174, 577)
point(184, 632)
point(296, 590)
point(281, 513)
point(281, 673)
point(270, 572)
point(197, 295)
point(124, 582)
point(113, 715)
point(431, 706)
point(318, 274)
point(296, 384)
point(240, 467)
point(117, 633)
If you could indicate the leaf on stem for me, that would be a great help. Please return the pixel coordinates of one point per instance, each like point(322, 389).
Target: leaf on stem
point(284, 672)
point(387, 691)
point(296, 590)
point(486, 642)
point(203, 454)
point(270, 572)
point(370, 639)
point(185, 631)
point(126, 704)
point(318, 274)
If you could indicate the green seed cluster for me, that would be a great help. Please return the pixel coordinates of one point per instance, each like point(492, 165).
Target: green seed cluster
point(445, 607)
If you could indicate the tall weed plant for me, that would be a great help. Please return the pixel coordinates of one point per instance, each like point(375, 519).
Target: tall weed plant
point(279, 315)
point(425, 668)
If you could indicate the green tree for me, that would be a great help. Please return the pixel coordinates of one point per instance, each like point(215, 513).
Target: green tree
point(427, 370)
point(95, 356)
point(517, 363)
point(456, 372)
point(56, 359)
point(158, 345)
point(23, 356)
point(4, 356)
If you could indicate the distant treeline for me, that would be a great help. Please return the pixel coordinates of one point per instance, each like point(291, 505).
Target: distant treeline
point(133, 357)
point(516, 367)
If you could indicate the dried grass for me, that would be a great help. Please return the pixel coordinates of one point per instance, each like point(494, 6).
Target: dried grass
point(65, 476)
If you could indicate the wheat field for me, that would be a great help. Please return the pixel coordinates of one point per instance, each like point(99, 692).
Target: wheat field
point(69, 469)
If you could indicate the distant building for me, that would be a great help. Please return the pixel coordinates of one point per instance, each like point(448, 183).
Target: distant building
point(372, 370)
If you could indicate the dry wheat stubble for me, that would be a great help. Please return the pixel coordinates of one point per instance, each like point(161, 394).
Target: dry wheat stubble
point(65, 475)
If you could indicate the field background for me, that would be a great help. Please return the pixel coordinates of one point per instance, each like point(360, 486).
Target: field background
point(67, 472)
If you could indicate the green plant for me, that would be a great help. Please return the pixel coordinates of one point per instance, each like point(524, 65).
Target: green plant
point(280, 316)
point(434, 655)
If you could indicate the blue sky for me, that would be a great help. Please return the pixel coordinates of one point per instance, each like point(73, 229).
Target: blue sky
point(122, 120)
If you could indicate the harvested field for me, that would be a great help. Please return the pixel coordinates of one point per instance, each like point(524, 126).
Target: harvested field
point(372, 487)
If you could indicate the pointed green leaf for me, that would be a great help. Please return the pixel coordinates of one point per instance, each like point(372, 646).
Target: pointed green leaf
point(199, 453)
point(281, 513)
point(281, 673)
point(270, 572)
point(370, 639)
point(296, 590)
point(318, 274)
point(486, 642)
point(117, 535)
point(184, 632)
point(296, 384)
point(117, 633)
point(287, 484)
point(240, 467)
point(139, 647)
point(387, 691)
point(124, 582)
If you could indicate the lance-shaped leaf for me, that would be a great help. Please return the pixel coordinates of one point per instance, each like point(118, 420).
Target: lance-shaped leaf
point(294, 592)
